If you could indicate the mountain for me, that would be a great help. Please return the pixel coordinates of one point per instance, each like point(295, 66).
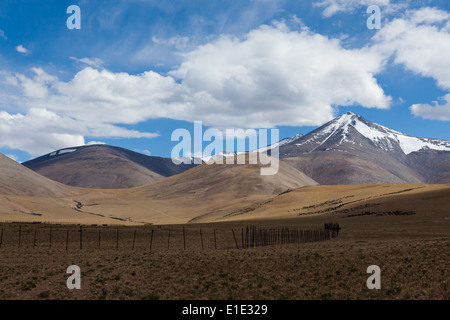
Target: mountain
point(103, 167)
point(353, 150)
point(15, 179)
point(230, 180)
point(208, 191)
point(263, 149)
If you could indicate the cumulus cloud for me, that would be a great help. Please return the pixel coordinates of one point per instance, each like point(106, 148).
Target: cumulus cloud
point(41, 131)
point(275, 76)
point(420, 41)
point(36, 87)
point(2, 34)
point(21, 49)
point(435, 112)
point(272, 76)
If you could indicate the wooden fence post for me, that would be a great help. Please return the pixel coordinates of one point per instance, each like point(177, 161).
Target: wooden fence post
point(20, 234)
point(117, 240)
point(67, 240)
point(168, 242)
point(234, 236)
point(81, 237)
point(50, 238)
point(184, 239)
point(151, 240)
point(98, 239)
point(34, 239)
point(134, 240)
point(215, 241)
point(201, 238)
point(1, 238)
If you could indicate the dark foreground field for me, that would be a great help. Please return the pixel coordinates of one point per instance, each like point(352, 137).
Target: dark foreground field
point(413, 254)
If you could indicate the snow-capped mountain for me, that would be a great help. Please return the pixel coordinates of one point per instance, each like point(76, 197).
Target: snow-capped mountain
point(343, 127)
point(357, 144)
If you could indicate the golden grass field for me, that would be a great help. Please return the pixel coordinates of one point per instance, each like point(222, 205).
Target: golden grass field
point(162, 203)
point(401, 228)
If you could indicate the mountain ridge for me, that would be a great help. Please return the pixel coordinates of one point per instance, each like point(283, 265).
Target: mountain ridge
point(103, 167)
point(379, 147)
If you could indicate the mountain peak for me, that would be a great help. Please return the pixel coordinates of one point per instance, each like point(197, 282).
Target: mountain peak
point(350, 131)
point(349, 113)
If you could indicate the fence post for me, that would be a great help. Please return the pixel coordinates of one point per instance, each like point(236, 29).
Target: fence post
point(20, 234)
point(67, 240)
point(99, 239)
point(168, 242)
point(215, 241)
point(50, 239)
point(117, 240)
point(234, 236)
point(151, 240)
point(134, 240)
point(184, 239)
point(201, 238)
point(34, 239)
point(1, 238)
point(81, 237)
point(246, 238)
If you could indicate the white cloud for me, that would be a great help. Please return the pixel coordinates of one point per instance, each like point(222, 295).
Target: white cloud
point(271, 76)
point(420, 41)
point(38, 132)
point(92, 62)
point(2, 34)
point(36, 87)
point(435, 112)
point(20, 48)
point(275, 76)
point(332, 7)
point(41, 131)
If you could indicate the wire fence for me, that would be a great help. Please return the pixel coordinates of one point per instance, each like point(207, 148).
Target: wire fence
point(158, 238)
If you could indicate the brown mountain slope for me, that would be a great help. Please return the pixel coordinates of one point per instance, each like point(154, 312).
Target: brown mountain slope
point(337, 168)
point(398, 202)
point(15, 179)
point(227, 181)
point(103, 167)
point(203, 191)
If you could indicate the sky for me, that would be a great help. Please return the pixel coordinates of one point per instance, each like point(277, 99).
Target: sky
point(137, 70)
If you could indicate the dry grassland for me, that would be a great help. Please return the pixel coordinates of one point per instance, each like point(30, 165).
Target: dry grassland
point(412, 252)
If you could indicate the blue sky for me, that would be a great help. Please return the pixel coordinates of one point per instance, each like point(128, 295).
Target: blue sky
point(139, 69)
